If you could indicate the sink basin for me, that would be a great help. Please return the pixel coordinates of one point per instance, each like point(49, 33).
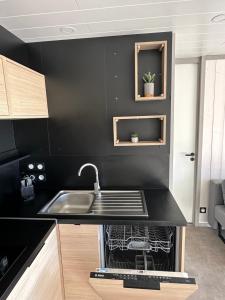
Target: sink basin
point(70, 202)
point(111, 203)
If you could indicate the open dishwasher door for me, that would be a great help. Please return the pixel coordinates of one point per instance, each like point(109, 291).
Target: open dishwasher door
point(116, 284)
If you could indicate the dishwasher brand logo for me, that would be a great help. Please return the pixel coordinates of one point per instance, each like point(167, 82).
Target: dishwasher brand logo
point(100, 275)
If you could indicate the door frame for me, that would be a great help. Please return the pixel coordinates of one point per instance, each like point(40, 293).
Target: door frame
point(203, 60)
point(198, 61)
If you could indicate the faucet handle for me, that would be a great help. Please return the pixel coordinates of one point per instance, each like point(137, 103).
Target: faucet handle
point(97, 189)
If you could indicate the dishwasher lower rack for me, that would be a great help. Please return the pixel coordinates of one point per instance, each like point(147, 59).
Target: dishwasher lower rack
point(159, 261)
point(139, 237)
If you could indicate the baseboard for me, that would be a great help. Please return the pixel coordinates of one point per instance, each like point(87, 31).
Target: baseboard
point(204, 224)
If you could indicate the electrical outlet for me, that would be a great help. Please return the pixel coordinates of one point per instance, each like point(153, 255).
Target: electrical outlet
point(203, 210)
point(41, 177)
point(40, 166)
point(31, 166)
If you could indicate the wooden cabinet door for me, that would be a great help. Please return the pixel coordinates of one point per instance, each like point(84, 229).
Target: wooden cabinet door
point(114, 290)
point(26, 91)
point(80, 256)
point(4, 110)
point(42, 280)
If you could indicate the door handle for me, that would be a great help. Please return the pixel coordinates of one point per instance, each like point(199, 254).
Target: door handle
point(190, 154)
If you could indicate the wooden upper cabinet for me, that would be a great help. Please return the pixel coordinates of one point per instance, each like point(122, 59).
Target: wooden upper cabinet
point(4, 110)
point(25, 91)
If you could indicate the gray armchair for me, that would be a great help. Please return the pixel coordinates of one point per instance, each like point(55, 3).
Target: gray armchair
point(216, 210)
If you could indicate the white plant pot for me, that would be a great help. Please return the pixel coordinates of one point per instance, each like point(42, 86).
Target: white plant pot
point(149, 89)
point(134, 139)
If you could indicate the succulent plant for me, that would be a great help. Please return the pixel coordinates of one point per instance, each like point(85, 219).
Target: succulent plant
point(148, 77)
point(134, 135)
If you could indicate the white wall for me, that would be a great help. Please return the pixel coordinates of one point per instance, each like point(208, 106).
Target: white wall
point(212, 140)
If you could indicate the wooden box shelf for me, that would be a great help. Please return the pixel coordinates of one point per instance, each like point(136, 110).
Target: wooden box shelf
point(151, 57)
point(154, 130)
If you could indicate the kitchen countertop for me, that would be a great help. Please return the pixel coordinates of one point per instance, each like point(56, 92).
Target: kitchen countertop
point(162, 209)
point(28, 236)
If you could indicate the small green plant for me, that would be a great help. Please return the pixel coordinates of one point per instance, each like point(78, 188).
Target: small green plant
point(148, 77)
point(134, 135)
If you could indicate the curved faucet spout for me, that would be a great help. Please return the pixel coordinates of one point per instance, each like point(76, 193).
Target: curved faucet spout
point(96, 184)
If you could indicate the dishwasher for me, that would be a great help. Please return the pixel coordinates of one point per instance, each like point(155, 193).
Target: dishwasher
point(140, 262)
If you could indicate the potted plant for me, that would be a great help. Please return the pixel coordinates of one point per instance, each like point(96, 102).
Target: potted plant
point(148, 79)
point(134, 137)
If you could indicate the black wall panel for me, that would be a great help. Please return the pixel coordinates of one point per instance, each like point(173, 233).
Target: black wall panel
point(155, 61)
point(31, 136)
point(147, 129)
point(7, 141)
point(12, 47)
point(88, 82)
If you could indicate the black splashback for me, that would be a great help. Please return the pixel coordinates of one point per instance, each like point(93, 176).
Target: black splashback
point(88, 82)
point(7, 141)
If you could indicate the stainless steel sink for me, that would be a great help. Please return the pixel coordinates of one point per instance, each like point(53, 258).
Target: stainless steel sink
point(111, 203)
point(70, 202)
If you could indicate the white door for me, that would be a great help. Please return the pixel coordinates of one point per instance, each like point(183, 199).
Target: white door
point(185, 108)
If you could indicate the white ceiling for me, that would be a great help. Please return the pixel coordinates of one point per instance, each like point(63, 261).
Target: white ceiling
point(43, 20)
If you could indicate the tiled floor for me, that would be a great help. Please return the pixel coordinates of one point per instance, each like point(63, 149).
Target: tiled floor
point(205, 260)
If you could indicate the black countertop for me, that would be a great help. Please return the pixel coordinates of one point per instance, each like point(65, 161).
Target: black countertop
point(28, 234)
point(24, 237)
point(162, 209)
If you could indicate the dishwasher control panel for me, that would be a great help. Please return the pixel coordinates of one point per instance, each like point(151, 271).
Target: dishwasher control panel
point(136, 277)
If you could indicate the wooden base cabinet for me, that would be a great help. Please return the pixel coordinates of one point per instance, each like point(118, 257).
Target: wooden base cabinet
point(22, 91)
point(80, 256)
point(42, 280)
point(82, 249)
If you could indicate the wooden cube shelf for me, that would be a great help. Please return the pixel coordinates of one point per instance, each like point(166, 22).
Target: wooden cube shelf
point(151, 57)
point(158, 125)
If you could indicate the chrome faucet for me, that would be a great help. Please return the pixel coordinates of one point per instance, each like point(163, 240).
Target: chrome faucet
point(96, 184)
